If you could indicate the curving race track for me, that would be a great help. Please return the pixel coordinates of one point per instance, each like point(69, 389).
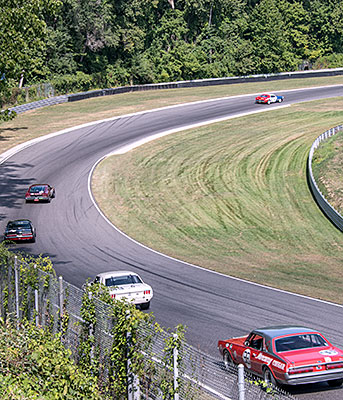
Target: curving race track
point(82, 243)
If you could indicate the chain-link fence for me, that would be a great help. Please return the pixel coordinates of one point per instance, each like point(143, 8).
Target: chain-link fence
point(55, 304)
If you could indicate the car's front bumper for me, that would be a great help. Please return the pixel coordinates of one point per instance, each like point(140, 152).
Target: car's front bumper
point(36, 198)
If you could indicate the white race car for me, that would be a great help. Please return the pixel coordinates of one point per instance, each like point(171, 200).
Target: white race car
point(128, 285)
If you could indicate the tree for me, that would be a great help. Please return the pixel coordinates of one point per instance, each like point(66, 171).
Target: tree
point(272, 49)
point(22, 41)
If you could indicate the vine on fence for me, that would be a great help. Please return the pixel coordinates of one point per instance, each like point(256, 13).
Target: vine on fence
point(132, 332)
point(172, 343)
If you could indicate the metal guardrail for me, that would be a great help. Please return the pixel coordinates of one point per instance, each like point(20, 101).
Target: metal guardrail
point(334, 216)
point(177, 85)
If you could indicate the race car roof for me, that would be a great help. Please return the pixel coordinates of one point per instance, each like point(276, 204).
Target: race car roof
point(275, 331)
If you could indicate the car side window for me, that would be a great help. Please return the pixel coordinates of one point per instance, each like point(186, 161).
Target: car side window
point(256, 342)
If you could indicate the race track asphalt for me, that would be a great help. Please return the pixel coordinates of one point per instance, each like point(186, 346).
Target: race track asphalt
point(81, 243)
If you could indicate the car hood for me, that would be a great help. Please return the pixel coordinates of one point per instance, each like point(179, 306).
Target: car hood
point(312, 356)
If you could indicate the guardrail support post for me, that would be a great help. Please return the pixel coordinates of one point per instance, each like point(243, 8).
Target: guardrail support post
point(241, 389)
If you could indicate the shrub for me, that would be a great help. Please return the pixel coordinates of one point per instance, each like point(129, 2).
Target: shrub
point(36, 365)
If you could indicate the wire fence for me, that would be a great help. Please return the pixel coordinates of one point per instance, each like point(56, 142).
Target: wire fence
point(192, 374)
point(334, 216)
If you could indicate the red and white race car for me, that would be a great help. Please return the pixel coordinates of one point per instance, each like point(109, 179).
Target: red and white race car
point(268, 98)
point(286, 355)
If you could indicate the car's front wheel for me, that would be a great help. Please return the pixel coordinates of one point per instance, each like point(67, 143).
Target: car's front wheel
point(335, 382)
point(228, 362)
point(268, 377)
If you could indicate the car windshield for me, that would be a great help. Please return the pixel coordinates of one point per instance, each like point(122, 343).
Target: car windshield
point(297, 342)
point(122, 280)
point(37, 189)
point(19, 224)
point(264, 95)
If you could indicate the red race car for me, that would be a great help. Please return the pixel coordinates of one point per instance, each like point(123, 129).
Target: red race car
point(40, 192)
point(286, 355)
point(268, 98)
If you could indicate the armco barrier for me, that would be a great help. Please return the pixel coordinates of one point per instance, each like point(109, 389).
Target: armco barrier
point(176, 85)
point(334, 216)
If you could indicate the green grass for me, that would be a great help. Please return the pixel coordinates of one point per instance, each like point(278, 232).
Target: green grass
point(327, 168)
point(233, 197)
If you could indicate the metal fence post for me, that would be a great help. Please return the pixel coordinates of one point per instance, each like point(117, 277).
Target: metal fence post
point(16, 284)
point(133, 390)
point(60, 295)
point(176, 370)
point(241, 381)
point(36, 302)
point(91, 329)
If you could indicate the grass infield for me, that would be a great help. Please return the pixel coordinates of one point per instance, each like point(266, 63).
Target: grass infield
point(231, 196)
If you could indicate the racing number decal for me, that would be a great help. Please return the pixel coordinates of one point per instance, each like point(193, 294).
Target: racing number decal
point(246, 358)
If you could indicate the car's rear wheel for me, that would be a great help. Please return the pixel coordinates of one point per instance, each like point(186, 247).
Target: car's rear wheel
point(279, 100)
point(268, 377)
point(145, 306)
point(268, 101)
point(228, 362)
point(335, 382)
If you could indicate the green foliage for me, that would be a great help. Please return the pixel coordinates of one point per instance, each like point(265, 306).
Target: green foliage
point(329, 61)
point(81, 45)
point(22, 39)
point(172, 343)
point(35, 365)
point(7, 115)
point(267, 387)
point(73, 83)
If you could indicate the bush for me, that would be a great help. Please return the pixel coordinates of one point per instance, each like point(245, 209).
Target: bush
point(80, 82)
point(36, 365)
point(330, 61)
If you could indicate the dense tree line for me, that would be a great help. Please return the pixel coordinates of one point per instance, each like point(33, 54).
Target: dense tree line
point(118, 42)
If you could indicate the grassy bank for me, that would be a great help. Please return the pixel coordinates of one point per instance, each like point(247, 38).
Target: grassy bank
point(233, 197)
point(327, 169)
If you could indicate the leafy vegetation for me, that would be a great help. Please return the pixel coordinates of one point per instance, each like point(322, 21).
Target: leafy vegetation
point(36, 365)
point(39, 363)
point(82, 44)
